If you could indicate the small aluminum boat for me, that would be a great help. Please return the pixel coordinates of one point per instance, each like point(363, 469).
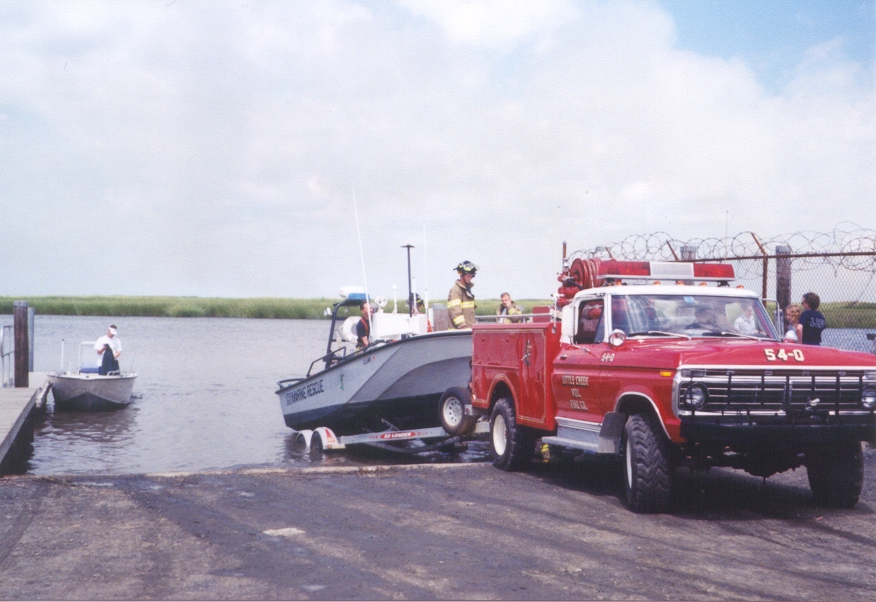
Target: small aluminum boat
point(86, 390)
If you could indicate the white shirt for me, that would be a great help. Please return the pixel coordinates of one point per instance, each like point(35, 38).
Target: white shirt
point(746, 325)
point(114, 343)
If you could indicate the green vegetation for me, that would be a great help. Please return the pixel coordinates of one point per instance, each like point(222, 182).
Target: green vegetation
point(838, 315)
point(173, 307)
point(203, 307)
point(849, 315)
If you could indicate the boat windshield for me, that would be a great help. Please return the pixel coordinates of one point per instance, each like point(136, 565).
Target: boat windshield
point(690, 316)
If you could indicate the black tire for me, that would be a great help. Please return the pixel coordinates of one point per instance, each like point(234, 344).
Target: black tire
point(316, 447)
point(647, 466)
point(451, 412)
point(836, 475)
point(511, 446)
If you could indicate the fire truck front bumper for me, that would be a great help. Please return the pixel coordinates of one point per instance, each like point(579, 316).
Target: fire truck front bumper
point(776, 432)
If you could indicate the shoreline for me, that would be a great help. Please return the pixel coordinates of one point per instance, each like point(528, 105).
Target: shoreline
point(204, 307)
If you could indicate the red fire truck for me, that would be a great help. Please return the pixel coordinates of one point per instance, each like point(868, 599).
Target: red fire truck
point(687, 372)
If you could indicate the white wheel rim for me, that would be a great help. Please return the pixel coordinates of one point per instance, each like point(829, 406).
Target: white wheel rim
point(499, 435)
point(452, 411)
point(629, 464)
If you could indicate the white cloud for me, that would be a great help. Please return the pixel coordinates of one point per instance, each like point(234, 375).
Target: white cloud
point(493, 23)
point(225, 142)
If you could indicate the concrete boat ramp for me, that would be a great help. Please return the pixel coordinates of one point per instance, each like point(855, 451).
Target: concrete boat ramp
point(18, 407)
point(556, 531)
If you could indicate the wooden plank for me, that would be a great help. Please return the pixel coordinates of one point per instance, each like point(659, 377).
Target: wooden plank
point(16, 404)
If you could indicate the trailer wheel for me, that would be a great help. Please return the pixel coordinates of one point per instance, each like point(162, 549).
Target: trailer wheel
point(451, 409)
point(316, 446)
point(836, 475)
point(647, 465)
point(511, 445)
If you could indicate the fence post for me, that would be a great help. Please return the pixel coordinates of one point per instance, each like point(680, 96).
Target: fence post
point(22, 351)
point(688, 253)
point(783, 276)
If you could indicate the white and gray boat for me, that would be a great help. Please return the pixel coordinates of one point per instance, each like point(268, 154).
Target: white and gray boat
point(396, 382)
point(86, 390)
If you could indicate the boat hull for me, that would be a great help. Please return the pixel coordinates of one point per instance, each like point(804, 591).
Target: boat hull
point(400, 382)
point(91, 392)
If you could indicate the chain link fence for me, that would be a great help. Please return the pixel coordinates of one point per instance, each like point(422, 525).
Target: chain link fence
point(839, 266)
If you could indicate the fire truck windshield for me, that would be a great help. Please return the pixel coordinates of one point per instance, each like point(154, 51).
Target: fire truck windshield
point(690, 316)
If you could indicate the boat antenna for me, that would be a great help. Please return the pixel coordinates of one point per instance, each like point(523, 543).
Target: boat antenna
point(410, 288)
point(425, 274)
point(361, 253)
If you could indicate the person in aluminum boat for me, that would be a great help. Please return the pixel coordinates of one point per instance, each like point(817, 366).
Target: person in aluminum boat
point(108, 362)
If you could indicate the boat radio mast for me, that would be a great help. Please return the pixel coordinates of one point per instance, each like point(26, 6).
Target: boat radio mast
point(410, 289)
point(361, 251)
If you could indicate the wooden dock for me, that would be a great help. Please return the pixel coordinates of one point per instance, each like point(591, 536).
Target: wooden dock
point(18, 406)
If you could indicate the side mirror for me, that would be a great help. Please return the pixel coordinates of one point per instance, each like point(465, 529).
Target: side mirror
point(568, 324)
point(328, 312)
point(617, 337)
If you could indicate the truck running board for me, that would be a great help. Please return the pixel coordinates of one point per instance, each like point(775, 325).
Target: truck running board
point(573, 443)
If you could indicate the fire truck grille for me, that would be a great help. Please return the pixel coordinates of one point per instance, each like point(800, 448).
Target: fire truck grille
point(773, 391)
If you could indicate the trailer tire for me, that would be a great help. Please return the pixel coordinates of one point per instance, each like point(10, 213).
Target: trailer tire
point(647, 465)
point(316, 446)
point(836, 475)
point(451, 411)
point(511, 445)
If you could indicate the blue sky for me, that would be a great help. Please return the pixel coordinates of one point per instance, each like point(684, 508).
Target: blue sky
point(225, 149)
point(773, 36)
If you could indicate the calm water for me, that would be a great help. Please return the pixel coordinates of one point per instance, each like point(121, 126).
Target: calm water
point(204, 397)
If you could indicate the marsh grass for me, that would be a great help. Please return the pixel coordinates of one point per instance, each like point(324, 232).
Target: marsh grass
point(205, 307)
point(174, 307)
point(838, 315)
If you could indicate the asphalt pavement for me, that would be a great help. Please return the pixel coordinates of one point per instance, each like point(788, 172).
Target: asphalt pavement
point(429, 531)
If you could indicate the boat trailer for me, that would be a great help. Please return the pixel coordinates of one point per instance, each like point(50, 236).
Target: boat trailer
point(323, 439)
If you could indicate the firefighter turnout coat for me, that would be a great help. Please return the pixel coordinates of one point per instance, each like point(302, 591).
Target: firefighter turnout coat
point(461, 306)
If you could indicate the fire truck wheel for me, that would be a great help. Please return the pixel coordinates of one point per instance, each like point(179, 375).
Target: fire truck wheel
point(647, 467)
point(836, 475)
point(510, 445)
point(451, 410)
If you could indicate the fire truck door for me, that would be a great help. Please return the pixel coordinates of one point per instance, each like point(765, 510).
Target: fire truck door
point(534, 383)
point(577, 369)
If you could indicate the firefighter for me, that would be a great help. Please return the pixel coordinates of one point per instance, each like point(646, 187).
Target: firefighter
point(460, 300)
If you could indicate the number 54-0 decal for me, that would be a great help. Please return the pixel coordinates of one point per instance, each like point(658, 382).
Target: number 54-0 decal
point(773, 355)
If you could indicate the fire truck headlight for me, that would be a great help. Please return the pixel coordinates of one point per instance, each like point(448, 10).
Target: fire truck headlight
point(696, 396)
point(868, 397)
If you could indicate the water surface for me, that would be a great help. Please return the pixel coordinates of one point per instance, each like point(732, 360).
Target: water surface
point(204, 396)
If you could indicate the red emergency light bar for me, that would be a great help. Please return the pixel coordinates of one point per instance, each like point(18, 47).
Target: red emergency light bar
point(613, 269)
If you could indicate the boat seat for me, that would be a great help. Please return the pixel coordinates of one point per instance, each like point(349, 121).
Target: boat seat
point(89, 370)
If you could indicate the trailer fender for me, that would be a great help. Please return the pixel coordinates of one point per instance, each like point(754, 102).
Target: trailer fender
point(302, 439)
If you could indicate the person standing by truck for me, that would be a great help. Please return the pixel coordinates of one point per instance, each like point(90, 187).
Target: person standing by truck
point(460, 301)
point(508, 308)
point(811, 322)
